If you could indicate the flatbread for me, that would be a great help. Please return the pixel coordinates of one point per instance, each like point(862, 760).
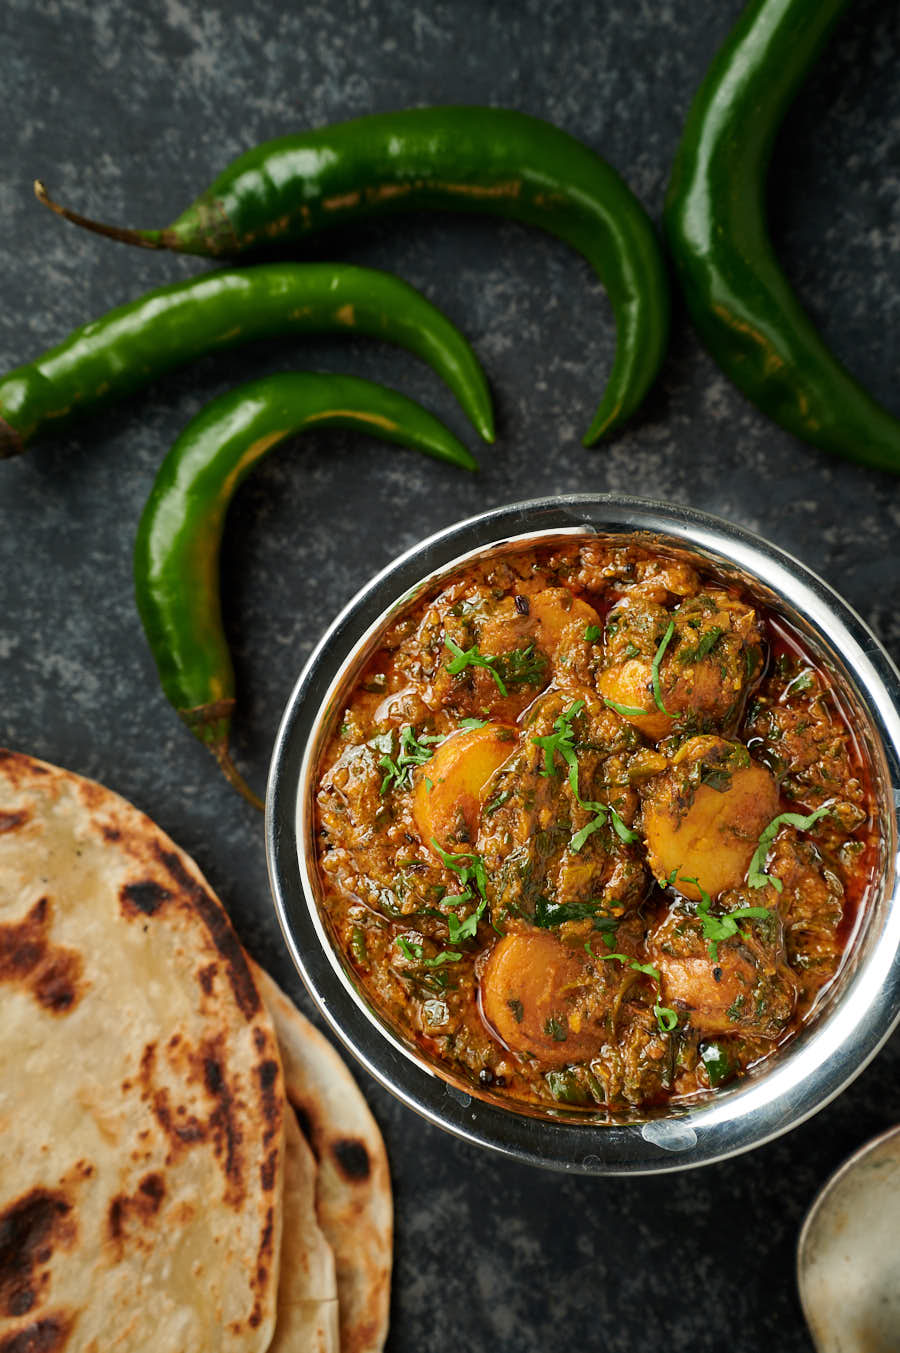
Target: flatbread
point(141, 1093)
point(353, 1187)
point(307, 1289)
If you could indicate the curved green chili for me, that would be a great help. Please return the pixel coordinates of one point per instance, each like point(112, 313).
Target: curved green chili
point(742, 304)
point(173, 324)
point(460, 159)
point(176, 559)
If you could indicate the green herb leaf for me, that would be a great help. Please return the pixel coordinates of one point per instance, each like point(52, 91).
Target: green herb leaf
point(412, 751)
point(623, 832)
point(469, 724)
point(654, 666)
point(518, 1010)
point(445, 956)
point(592, 633)
point(522, 666)
point(564, 1087)
point(548, 914)
point(756, 876)
point(705, 646)
point(408, 949)
point(580, 837)
point(557, 1031)
point(718, 928)
point(470, 657)
point(802, 682)
point(666, 1018)
point(498, 802)
point(627, 711)
point(467, 929)
point(717, 1063)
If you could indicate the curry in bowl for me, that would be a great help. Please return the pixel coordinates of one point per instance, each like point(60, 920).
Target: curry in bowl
point(592, 827)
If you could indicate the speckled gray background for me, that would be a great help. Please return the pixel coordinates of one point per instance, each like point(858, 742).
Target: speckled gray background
point(127, 111)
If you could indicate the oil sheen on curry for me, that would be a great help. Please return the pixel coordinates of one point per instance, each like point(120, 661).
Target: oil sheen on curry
point(592, 828)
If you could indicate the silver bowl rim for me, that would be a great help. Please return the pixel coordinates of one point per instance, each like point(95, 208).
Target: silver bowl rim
point(817, 1065)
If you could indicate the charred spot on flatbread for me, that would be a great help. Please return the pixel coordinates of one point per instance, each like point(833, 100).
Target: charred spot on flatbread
point(11, 822)
point(140, 1208)
point(143, 898)
point(31, 1228)
point(352, 1158)
point(51, 973)
point(50, 1334)
point(220, 931)
point(304, 1122)
point(18, 769)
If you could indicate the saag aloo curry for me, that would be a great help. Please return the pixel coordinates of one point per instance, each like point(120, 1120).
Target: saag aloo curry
point(593, 828)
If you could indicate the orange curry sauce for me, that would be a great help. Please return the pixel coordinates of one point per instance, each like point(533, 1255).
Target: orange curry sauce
point(548, 835)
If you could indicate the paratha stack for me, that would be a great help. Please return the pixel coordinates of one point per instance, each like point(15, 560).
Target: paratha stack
point(156, 1189)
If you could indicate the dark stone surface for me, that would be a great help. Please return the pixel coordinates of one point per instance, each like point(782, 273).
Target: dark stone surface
point(127, 111)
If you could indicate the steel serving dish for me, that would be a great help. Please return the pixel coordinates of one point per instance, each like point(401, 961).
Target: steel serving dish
point(855, 1014)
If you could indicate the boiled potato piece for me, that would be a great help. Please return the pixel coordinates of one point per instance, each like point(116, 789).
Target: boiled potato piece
point(561, 619)
point(711, 660)
point(704, 999)
point(529, 992)
point(703, 818)
point(630, 685)
point(457, 774)
point(746, 988)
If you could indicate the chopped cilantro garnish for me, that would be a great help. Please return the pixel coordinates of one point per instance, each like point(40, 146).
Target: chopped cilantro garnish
point(756, 877)
point(579, 838)
point(555, 1029)
point(498, 802)
point(522, 666)
point(627, 711)
point(654, 666)
point(469, 724)
point(548, 914)
point(471, 871)
point(802, 682)
point(412, 751)
point(470, 657)
point(467, 864)
point(562, 741)
point(517, 1009)
point(717, 1062)
point(467, 929)
point(445, 956)
point(623, 832)
point(413, 951)
point(716, 777)
point(666, 1018)
point(592, 633)
point(717, 928)
point(409, 949)
point(704, 646)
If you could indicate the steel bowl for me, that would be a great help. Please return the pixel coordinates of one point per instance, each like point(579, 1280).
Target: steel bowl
point(852, 1018)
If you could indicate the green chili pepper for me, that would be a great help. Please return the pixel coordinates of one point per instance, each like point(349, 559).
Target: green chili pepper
point(461, 159)
point(131, 345)
point(739, 299)
point(176, 565)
